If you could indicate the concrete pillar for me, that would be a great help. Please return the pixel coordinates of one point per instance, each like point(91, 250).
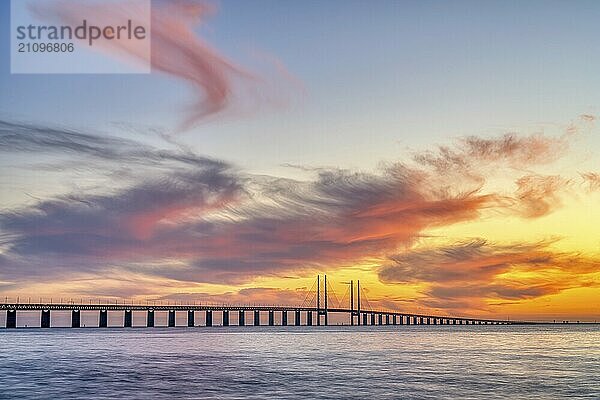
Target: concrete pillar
point(401, 319)
point(394, 320)
point(150, 319)
point(225, 317)
point(11, 319)
point(284, 318)
point(128, 320)
point(372, 319)
point(309, 318)
point(256, 318)
point(103, 322)
point(297, 317)
point(191, 322)
point(45, 321)
point(428, 321)
point(435, 320)
point(171, 319)
point(387, 319)
point(461, 321)
point(75, 319)
point(271, 318)
point(453, 322)
point(208, 318)
point(241, 318)
point(364, 319)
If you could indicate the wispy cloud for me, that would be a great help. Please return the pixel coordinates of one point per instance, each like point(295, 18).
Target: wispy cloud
point(468, 273)
point(176, 49)
point(192, 219)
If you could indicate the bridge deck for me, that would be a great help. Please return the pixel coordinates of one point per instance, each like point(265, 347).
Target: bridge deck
point(217, 308)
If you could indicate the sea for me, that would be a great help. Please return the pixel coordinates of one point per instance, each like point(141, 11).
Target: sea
point(334, 362)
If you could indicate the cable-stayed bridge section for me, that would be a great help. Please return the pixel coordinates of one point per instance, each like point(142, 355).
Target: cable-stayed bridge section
point(316, 310)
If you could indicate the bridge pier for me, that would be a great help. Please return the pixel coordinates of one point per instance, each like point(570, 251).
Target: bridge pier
point(225, 318)
point(75, 319)
point(45, 319)
point(150, 319)
point(171, 322)
point(256, 318)
point(103, 319)
point(241, 318)
point(11, 318)
point(364, 317)
point(190, 319)
point(387, 319)
point(380, 319)
point(284, 318)
point(372, 319)
point(435, 321)
point(208, 318)
point(127, 319)
point(271, 318)
point(297, 317)
point(309, 318)
point(394, 319)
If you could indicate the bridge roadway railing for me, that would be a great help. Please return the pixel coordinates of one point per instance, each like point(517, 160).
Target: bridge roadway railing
point(312, 314)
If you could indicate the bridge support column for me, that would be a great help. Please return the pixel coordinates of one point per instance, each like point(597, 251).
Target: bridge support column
point(364, 317)
point(372, 319)
point(394, 320)
point(103, 319)
point(256, 318)
point(387, 319)
point(208, 318)
point(297, 318)
point(171, 319)
point(11, 318)
point(241, 318)
point(150, 319)
point(435, 321)
point(225, 317)
point(75, 319)
point(309, 318)
point(284, 318)
point(271, 318)
point(190, 319)
point(428, 321)
point(128, 319)
point(45, 319)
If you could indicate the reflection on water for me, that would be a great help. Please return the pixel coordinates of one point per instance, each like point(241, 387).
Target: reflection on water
point(298, 362)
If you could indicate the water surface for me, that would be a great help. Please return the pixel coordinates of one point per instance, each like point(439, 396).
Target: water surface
point(420, 362)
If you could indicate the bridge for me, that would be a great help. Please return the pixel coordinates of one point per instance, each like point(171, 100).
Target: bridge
point(306, 314)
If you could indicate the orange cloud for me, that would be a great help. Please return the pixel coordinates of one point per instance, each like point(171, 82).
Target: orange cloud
point(468, 274)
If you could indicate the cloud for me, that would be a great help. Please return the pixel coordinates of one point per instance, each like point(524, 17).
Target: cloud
point(539, 195)
point(475, 271)
point(27, 138)
point(592, 179)
point(190, 219)
point(176, 49)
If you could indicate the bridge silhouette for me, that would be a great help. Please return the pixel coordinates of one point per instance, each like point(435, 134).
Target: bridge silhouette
point(319, 310)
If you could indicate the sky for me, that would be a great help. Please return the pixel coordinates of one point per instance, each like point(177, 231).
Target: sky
point(444, 153)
